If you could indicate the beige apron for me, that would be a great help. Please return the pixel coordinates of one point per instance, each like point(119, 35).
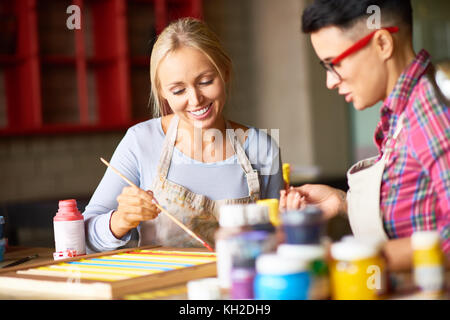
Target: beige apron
point(196, 211)
point(363, 197)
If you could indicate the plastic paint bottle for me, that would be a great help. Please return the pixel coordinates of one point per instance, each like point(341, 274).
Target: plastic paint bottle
point(428, 262)
point(303, 226)
point(204, 289)
point(357, 271)
point(247, 247)
point(314, 256)
point(68, 227)
point(272, 204)
point(281, 278)
point(232, 222)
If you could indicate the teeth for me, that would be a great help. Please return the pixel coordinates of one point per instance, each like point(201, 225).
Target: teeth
point(200, 112)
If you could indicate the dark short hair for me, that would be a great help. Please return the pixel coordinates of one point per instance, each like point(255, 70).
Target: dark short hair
point(345, 13)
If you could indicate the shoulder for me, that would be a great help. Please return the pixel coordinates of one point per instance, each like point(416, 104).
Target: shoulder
point(152, 126)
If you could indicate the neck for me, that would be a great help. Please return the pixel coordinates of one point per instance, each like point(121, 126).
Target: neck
point(397, 65)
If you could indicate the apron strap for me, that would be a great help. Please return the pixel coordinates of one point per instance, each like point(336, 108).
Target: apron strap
point(167, 150)
point(169, 144)
point(251, 174)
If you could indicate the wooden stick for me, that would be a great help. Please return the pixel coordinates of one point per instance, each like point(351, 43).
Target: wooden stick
point(181, 225)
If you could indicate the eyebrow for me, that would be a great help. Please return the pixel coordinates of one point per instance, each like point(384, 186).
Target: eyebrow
point(199, 76)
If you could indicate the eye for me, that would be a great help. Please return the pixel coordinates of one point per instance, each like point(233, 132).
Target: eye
point(205, 83)
point(178, 92)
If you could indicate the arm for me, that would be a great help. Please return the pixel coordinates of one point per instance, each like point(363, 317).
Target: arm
point(106, 227)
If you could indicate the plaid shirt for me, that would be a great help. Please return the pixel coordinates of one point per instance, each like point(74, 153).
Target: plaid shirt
point(415, 188)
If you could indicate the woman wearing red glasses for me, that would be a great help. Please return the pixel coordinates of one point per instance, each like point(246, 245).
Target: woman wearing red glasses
point(405, 188)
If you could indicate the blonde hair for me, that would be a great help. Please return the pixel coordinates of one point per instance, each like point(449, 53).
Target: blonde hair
point(185, 32)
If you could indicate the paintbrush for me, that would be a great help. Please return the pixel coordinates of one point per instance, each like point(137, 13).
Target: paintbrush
point(182, 226)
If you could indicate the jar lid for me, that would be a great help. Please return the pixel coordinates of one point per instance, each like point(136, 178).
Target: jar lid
point(232, 215)
point(256, 214)
point(2, 220)
point(275, 264)
point(309, 215)
point(371, 241)
point(204, 289)
point(353, 250)
point(425, 239)
point(306, 252)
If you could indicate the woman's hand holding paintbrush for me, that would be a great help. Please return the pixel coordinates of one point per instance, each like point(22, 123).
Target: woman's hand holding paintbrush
point(141, 199)
point(134, 206)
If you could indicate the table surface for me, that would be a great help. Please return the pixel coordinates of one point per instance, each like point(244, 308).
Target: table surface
point(178, 292)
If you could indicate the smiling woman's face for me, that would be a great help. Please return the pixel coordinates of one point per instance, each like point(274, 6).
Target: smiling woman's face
point(192, 87)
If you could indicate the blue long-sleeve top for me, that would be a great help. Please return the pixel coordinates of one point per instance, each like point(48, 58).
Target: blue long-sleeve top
point(137, 157)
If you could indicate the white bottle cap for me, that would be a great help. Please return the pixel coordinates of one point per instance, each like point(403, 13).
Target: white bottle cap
point(204, 289)
point(353, 250)
point(256, 214)
point(305, 252)
point(371, 241)
point(275, 264)
point(421, 240)
point(232, 215)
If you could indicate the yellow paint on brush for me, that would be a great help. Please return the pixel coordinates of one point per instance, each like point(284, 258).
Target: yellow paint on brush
point(286, 172)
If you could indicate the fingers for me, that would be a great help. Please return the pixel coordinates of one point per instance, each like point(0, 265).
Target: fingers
point(283, 200)
point(136, 205)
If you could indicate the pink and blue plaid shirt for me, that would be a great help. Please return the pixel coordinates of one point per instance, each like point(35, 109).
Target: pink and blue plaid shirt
point(415, 188)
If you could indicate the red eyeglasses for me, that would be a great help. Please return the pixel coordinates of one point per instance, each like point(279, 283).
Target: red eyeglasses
point(329, 66)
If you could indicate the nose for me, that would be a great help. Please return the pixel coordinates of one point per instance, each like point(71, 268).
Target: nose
point(332, 80)
point(195, 97)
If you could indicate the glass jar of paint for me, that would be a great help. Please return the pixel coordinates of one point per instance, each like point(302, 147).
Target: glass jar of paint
point(242, 278)
point(428, 262)
point(303, 226)
point(314, 256)
point(281, 278)
point(247, 247)
point(357, 271)
point(231, 223)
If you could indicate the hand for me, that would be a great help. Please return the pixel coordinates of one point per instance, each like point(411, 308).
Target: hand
point(134, 206)
point(292, 200)
point(330, 200)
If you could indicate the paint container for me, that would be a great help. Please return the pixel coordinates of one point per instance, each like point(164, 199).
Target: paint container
point(204, 289)
point(247, 247)
point(281, 278)
point(428, 262)
point(314, 257)
point(257, 218)
point(303, 226)
point(2, 248)
point(68, 227)
point(2, 227)
point(357, 271)
point(272, 205)
point(232, 222)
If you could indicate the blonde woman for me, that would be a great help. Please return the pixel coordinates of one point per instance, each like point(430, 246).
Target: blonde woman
point(189, 158)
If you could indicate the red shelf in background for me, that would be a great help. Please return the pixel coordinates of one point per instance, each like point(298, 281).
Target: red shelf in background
point(89, 80)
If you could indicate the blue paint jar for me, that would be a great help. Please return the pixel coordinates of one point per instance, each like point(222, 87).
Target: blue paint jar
point(281, 278)
point(2, 248)
point(303, 226)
